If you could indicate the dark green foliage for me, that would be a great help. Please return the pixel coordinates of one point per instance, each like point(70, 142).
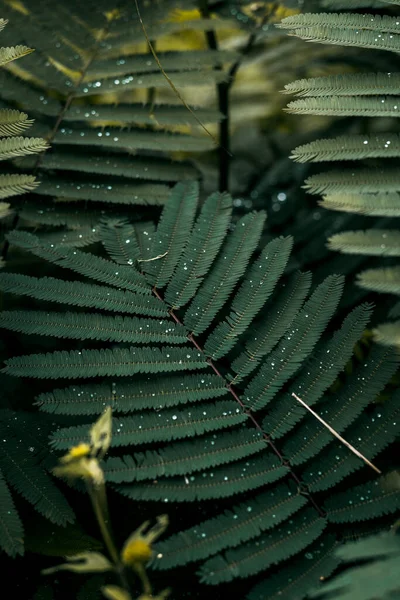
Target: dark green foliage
point(23, 469)
point(192, 434)
point(376, 576)
point(367, 189)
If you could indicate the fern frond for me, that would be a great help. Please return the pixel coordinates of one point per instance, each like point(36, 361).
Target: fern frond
point(9, 54)
point(270, 548)
point(227, 269)
point(382, 23)
point(388, 333)
point(202, 247)
point(374, 242)
point(193, 60)
point(76, 293)
point(87, 326)
point(347, 29)
point(90, 266)
point(360, 390)
point(381, 280)
point(375, 575)
point(119, 362)
point(379, 106)
point(370, 434)
point(114, 193)
point(292, 350)
point(357, 84)
point(13, 185)
point(20, 146)
point(272, 326)
point(137, 394)
point(350, 4)
point(117, 165)
point(355, 147)
point(380, 205)
point(296, 580)
point(320, 372)
point(139, 114)
point(119, 240)
point(13, 122)
point(231, 528)
point(11, 530)
point(360, 181)
point(172, 233)
point(366, 501)
point(160, 427)
point(220, 482)
point(255, 290)
point(133, 139)
point(85, 236)
point(23, 472)
point(182, 458)
point(150, 80)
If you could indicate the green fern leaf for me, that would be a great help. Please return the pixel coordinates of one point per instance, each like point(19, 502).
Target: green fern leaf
point(296, 580)
point(245, 521)
point(229, 266)
point(76, 293)
point(292, 350)
point(160, 427)
point(117, 165)
point(21, 146)
point(272, 327)
point(202, 247)
point(381, 280)
point(355, 147)
point(358, 84)
point(359, 390)
point(119, 240)
point(346, 29)
point(360, 181)
point(115, 193)
point(382, 106)
point(366, 501)
point(87, 326)
point(120, 362)
point(380, 205)
point(31, 481)
point(336, 462)
point(9, 54)
point(13, 122)
point(374, 242)
point(320, 372)
point(11, 530)
point(13, 185)
point(179, 459)
point(137, 394)
point(255, 290)
point(388, 333)
point(90, 266)
point(270, 548)
point(220, 482)
point(172, 233)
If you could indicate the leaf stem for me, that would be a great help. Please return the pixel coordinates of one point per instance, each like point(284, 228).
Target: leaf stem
point(99, 502)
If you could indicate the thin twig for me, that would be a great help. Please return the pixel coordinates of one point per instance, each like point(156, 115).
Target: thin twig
point(339, 437)
point(150, 259)
point(171, 83)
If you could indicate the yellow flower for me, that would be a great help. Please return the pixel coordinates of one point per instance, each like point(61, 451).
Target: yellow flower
point(76, 452)
point(136, 552)
point(88, 468)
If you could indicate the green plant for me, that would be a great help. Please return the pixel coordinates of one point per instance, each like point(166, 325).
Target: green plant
point(84, 462)
point(206, 365)
point(371, 189)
